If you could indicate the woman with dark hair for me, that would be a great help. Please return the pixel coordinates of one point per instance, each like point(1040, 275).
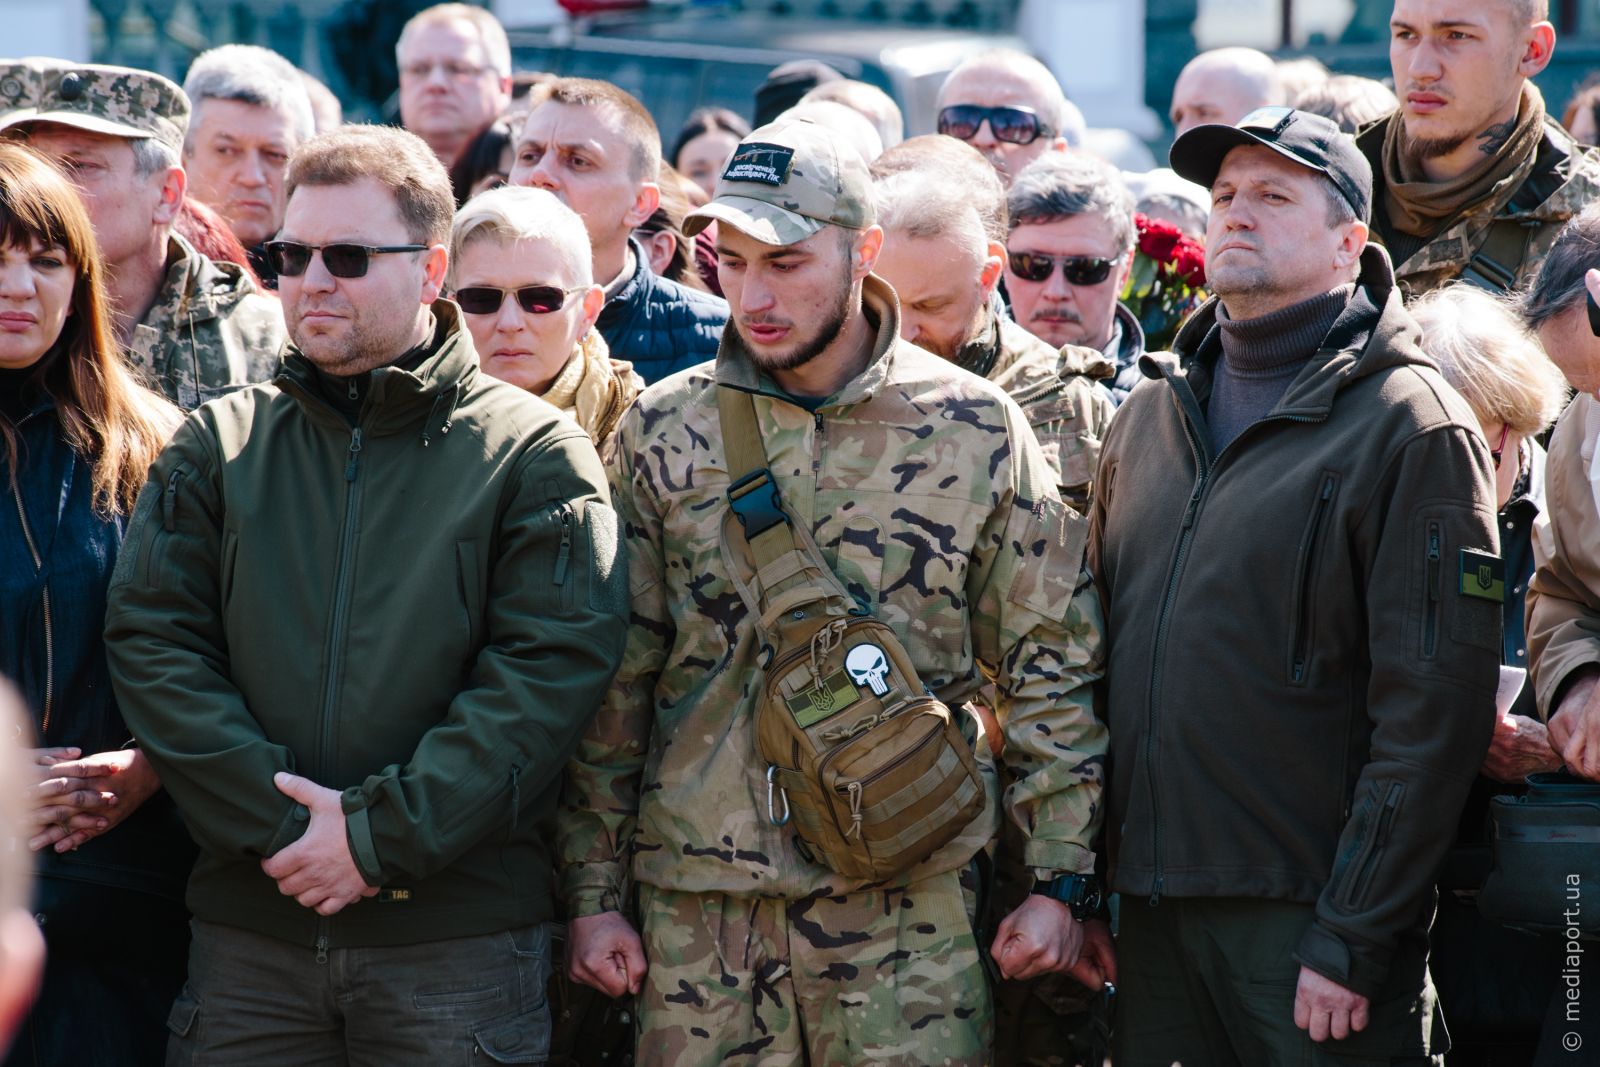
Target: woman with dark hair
point(486, 161)
point(77, 436)
point(704, 144)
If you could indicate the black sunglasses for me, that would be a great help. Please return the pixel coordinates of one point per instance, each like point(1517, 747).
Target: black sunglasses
point(1078, 270)
point(1014, 125)
point(535, 299)
point(291, 258)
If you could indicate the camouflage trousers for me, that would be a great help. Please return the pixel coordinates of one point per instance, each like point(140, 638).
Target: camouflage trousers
point(888, 977)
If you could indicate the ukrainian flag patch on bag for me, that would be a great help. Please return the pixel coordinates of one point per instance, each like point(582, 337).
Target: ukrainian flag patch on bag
point(816, 702)
point(1483, 576)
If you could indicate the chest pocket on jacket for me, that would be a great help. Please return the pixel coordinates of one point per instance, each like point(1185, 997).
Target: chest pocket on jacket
point(1314, 542)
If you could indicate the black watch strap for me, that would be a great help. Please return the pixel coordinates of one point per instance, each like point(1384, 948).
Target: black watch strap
point(1079, 892)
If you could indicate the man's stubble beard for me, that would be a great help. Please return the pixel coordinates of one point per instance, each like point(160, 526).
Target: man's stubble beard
point(361, 352)
point(832, 324)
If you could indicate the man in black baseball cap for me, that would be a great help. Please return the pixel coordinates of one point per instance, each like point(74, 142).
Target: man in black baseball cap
point(1293, 744)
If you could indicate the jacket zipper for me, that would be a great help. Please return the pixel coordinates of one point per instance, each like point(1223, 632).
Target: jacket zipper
point(1361, 871)
point(1302, 627)
point(1430, 619)
point(564, 554)
point(44, 596)
point(1185, 536)
point(341, 594)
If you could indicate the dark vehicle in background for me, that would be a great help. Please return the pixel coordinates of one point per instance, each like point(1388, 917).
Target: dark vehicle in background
point(716, 59)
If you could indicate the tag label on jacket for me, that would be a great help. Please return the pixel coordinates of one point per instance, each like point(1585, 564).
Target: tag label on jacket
point(1483, 576)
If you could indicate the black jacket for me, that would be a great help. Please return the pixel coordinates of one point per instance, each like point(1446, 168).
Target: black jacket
point(659, 326)
point(54, 572)
point(1299, 692)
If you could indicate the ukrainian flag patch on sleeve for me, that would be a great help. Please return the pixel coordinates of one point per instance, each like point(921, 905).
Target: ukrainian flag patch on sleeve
point(1483, 576)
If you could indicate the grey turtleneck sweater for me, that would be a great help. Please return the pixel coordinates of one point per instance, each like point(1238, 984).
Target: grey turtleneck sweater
point(1261, 356)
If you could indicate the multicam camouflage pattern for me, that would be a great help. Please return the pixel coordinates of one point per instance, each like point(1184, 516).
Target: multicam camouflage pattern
point(119, 101)
point(1061, 396)
point(1443, 259)
point(931, 500)
point(889, 977)
point(209, 331)
point(786, 181)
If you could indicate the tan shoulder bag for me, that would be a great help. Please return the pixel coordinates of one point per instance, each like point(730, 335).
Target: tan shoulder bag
point(869, 766)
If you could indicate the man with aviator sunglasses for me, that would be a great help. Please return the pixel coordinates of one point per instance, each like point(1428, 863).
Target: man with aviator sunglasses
point(1068, 256)
point(381, 599)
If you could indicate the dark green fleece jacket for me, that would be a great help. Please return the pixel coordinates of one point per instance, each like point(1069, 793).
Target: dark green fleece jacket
point(1299, 692)
point(421, 611)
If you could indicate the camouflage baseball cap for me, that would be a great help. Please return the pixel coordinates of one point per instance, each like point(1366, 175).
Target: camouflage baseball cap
point(788, 180)
point(118, 101)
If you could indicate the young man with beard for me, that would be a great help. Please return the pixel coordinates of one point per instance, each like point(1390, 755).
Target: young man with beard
point(362, 616)
point(1473, 179)
point(943, 214)
point(929, 500)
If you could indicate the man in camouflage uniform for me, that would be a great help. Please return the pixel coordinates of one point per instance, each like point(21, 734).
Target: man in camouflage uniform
point(1472, 178)
point(944, 216)
point(931, 500)
point(194, 327)
point(943, 212)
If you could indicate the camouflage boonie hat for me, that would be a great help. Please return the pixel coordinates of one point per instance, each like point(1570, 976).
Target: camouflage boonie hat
point(118, 101)
point(786, 181)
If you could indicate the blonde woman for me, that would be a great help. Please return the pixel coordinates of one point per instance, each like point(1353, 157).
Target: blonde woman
point(1494, 983)
point(520, 268)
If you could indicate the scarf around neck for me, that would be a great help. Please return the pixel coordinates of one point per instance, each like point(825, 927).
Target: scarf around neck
point(1422, 208)
point(594, 389)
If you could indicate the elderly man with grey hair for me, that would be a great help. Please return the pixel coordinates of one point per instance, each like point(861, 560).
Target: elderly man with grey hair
point(455, 75)
point(1008, 106)
point(942, 211)
point(1068, 257)
point(251, 111)
point(1224, 85)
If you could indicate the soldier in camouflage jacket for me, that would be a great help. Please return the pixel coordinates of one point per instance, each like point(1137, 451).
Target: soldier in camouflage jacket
point(931, 500)
point(195, 329)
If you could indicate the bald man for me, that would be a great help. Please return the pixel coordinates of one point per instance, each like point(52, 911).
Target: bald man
point(1224, 85)
point(1017, 93)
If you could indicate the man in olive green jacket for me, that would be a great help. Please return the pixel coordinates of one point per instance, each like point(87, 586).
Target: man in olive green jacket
point(362, 617)
point(1290, 529)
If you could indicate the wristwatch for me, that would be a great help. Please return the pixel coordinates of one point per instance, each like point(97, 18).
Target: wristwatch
point(1080, 892)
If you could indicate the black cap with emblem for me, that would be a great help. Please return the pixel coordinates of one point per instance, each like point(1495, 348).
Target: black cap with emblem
point(1309, 140)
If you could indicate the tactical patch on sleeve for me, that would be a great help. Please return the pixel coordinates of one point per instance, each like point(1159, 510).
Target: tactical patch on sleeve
point(608, 585)
point(128, 554)
point(1483, 576)
point(768, 164)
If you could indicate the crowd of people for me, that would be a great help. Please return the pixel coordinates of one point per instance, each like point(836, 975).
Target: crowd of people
point(513, 588)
